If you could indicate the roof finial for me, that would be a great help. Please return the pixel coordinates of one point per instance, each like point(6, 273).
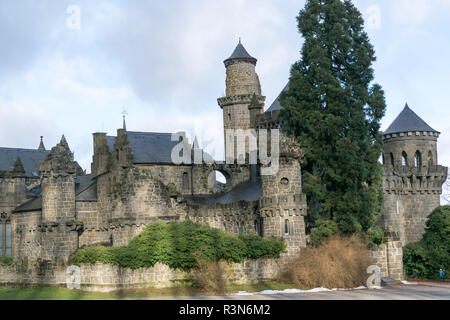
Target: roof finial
point(406, 105)
point(239, 39)
point(41, 145)
point(124, 113)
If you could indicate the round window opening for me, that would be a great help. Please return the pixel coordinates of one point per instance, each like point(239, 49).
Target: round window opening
point(284, 182)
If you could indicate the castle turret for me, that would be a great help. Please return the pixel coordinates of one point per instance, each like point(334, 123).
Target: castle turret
point(283, 204)
point(101, 160)
point(413, 179)
point(58, 173)
point(242, 83)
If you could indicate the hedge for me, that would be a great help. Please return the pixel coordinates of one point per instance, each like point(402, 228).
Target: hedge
point(180, 245)
point(423, 259)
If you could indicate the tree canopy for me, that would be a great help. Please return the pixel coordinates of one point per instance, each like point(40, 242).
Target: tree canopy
point(334, 108)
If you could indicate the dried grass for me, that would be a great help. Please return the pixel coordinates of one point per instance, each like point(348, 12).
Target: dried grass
point(340, 263)
point(211, 276)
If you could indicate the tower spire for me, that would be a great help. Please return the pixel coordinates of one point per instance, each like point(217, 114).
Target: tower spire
point(41, 145)
point(124, 113)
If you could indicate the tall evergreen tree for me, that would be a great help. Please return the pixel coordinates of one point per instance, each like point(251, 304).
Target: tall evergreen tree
point(334, 109)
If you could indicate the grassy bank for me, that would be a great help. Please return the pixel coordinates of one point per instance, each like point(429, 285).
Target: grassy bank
point(52, 293)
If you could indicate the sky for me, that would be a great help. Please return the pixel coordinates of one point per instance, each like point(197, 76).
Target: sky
point(162, 62)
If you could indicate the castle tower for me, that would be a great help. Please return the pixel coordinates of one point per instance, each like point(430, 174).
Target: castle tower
point(283, 203)
point(242, 82)
point(58, 227)
point(413, 180)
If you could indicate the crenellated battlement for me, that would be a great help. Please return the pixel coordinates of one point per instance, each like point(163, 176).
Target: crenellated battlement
point(423, 180)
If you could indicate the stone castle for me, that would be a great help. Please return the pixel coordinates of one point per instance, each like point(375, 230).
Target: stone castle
point(49, 207)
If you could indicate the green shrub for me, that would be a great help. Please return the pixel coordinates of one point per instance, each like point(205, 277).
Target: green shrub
point(423, 259)
point(6, 261)
point(180, 245)
point(257, 247)
point(324, 229)
point(376, 235)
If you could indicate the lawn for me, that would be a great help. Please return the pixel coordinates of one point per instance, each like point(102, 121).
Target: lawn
point(55, 293)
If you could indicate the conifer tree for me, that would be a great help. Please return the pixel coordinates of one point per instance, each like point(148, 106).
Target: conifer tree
point(334, 109)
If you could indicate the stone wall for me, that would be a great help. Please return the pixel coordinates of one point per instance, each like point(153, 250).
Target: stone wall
point(26, 240)
point(410, 195)
point(236, 218)
point(389, 257)
point(105, 277)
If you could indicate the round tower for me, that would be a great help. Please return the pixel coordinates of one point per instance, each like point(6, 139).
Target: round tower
point(242, 83)
point(412, 181)
point(239, 113)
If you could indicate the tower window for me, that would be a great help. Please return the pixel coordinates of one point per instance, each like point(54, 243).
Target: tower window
point(404, 159)
point(5, 235)
point(287, 227)
point(418, 159)
point(185, 184)
point(392, 160)
point(430, 158)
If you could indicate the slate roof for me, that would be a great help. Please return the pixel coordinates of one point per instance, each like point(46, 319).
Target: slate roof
point(85, 190)
point(408, 121)
point(31, 205)
point(276, 104)
point(30, 159)
point(247, 191)
point(240, 53)
point(150, 147)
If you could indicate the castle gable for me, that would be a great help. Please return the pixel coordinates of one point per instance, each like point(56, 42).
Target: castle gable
point(276, 104)
point(148, 147)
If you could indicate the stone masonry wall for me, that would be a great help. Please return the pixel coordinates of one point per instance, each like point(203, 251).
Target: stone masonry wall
point(105, 277)
point(389, 257)
point(236, 218)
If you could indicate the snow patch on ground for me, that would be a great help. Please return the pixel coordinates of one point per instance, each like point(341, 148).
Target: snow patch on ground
point(290, 291)
point(407, 282)
point(375, 287)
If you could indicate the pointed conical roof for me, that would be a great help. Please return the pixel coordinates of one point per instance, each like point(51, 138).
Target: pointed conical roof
point(240, 54)
point(408, 121)
point(41, 145)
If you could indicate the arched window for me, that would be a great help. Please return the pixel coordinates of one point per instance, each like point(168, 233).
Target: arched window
point(418, 159)
point(392, 159)
point(5, 235)
point(404, 159)
point(287, 227)
point(185, 183)
point(430, 158)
